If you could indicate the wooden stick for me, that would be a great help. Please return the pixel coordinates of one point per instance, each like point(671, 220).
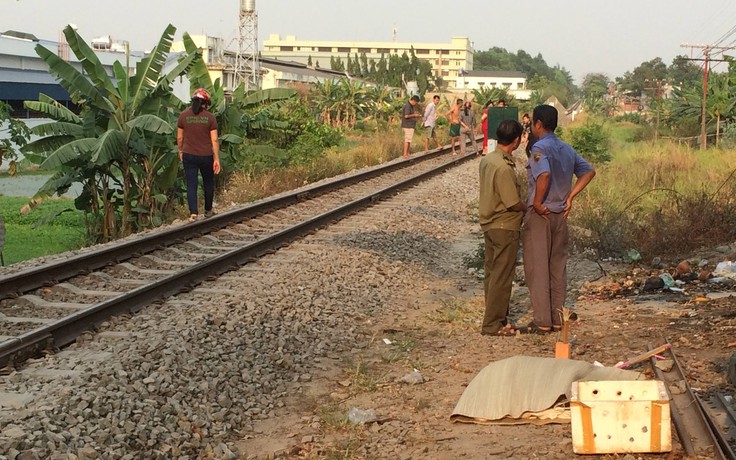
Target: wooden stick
point(643, 357)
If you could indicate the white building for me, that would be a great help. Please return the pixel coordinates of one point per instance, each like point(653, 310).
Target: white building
point(513, 82)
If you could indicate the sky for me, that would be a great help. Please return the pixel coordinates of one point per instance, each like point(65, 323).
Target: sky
point(583, 36)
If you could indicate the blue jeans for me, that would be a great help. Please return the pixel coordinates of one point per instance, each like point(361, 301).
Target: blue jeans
point(193, 165)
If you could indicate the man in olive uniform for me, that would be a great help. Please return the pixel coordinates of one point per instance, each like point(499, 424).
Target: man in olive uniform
point(501, 209)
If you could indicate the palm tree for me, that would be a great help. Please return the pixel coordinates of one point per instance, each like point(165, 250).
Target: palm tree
point(341, 102)
point(491, 93)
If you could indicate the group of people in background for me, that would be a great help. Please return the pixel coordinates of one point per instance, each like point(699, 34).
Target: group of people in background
point(463, 125)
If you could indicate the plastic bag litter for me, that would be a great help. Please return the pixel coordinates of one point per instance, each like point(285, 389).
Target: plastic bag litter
point(359, 416)
point(725, 269)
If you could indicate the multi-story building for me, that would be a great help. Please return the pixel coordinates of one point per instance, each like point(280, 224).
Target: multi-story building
point(220, 62)
point(448, 60)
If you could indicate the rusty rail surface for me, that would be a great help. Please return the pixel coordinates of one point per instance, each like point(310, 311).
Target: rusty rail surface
point(694, 427)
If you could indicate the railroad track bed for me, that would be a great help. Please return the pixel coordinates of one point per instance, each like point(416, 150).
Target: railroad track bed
point(166, 263)
point(188, 374)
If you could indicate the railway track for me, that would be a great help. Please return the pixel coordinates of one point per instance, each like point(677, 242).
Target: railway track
point(48, 307)
point(705, 425)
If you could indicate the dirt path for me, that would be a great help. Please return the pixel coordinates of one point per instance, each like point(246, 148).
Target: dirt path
point(433, 327)
point(436, 334)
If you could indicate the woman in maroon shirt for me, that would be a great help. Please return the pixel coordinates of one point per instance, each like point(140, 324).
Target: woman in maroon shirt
point(199, 151)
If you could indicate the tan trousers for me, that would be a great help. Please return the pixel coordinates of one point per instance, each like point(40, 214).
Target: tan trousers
point(500, 260)
point(545, 265)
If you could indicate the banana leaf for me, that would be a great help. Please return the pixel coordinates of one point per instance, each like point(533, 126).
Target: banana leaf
point(73, 81)
point(52, 108)
point(69, 152)
point(149, 69)
point(89, 60)
point(152, 124)
point(108, 147)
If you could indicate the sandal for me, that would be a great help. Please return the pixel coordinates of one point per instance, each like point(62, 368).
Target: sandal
point(192, 217)
point(532, 328)
point(507, 330)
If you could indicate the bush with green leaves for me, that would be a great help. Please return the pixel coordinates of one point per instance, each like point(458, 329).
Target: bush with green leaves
point(590, 140)
point(728, 139)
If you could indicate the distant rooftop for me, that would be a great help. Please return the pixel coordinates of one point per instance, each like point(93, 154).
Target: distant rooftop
point(494, 73)
point(19, 35)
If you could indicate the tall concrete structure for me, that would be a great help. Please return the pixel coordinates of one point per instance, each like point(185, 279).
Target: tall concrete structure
point(246, 63)
point(448, 60)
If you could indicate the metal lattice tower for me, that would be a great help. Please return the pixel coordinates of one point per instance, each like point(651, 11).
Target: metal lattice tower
point(247, 69)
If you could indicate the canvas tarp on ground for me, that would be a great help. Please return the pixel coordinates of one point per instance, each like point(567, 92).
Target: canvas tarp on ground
point(526, 389)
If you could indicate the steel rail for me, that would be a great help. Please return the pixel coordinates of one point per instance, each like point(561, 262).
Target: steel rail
point(720, 427)
point(33, 278)
point(65, 330)
point(687, 415)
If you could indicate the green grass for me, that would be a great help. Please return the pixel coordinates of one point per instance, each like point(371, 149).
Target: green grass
point(30, 235)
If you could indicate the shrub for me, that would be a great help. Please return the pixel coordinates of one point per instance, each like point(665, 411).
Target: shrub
point(591, 141)
point(728, 139)
point(663, 200)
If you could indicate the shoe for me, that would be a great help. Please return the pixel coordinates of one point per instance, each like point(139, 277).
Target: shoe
point(507, 330)
point(209, 213)
point(193, 217)
point(532, 328)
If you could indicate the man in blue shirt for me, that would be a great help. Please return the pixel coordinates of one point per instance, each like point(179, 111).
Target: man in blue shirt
point(552, 165)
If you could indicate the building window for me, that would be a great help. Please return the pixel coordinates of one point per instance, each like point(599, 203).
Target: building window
point(507, 85)
point(343, 50)
point(383, 51)
point(364, 50)
point(422, 52)
point(287, 48)
point(445, 62)
point(324, 49)
point(445, 73)
point(520, 86)
point(481, 83)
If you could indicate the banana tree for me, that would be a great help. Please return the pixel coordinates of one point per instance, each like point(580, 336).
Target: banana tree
point(122, 146)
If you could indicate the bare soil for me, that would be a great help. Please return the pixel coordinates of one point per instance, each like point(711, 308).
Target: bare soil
point(437, 333)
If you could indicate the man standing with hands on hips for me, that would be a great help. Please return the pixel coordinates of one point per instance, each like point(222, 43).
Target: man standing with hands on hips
point(552, 165)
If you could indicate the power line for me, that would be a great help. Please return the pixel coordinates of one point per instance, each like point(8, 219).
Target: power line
point(706, 49)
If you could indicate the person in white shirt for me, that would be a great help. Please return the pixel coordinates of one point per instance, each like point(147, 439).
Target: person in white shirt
point(430, 121)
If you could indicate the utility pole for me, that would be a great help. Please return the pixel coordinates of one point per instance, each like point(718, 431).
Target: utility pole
point(706, 61)
point(659, 104)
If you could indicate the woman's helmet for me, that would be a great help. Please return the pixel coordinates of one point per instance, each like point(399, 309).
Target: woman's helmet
point(201, 93)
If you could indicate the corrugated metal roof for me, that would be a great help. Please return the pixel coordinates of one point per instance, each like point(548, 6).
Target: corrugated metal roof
point(26, 76)
point(24, 48)
point(13, 91)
